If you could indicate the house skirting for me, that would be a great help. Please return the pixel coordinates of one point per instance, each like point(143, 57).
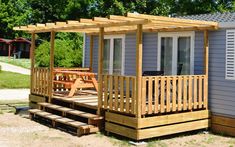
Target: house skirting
point(223, 125)
point(35, 99)
point(156, 126)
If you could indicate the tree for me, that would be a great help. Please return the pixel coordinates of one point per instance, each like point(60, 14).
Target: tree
point(13, 13)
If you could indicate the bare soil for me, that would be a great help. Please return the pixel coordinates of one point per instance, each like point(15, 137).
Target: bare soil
point(18, 131)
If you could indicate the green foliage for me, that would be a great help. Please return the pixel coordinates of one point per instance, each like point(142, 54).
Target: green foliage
point(68, 52)
point(13, 13)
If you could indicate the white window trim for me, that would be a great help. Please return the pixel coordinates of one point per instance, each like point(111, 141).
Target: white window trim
point(175, 36)
point(112, 37)
point(226, 54)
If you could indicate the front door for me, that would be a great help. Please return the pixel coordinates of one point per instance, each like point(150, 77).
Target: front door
point(113, 55)
point(175, 53)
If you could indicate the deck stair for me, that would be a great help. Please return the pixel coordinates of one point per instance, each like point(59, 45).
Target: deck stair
point(66, 118)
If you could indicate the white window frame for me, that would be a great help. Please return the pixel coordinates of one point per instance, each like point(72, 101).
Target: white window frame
point(175, 36)
point(227, 50)
point(112, 37)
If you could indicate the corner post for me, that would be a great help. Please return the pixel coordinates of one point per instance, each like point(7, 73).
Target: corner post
point(91, 52)
point(100, 69)
point(206, 67)
point(139, 48)
point(51, 64)
point(32, 49)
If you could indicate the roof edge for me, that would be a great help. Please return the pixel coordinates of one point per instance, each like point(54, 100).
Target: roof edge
point(226, 25)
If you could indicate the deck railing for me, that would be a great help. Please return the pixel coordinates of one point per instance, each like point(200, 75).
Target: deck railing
point(119, 93)
point(40, 83)
point(165, 94)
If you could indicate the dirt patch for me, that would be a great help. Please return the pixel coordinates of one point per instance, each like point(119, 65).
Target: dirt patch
point(16, 130)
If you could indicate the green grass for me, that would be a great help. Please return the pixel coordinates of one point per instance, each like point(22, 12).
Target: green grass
point(25, 63)
point(13, 80)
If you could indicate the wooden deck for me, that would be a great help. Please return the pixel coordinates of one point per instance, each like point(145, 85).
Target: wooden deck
point(85, 98)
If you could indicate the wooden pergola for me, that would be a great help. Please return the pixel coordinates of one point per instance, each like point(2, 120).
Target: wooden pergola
point(114, 24)
point(129, 111)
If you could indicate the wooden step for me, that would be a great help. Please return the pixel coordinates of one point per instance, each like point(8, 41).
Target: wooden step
point(66, 111)
point(82, 128)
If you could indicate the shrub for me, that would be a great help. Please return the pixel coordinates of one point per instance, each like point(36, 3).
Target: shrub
point(66, 55)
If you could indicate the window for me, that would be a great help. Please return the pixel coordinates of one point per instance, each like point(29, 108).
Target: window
point(230, 55)
point(113, 54)
point(176, 53)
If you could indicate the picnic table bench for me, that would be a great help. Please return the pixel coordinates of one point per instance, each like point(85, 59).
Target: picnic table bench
point(74, 80)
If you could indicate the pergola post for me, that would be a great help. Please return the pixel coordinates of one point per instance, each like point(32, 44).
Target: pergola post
point(51, 64)
point(91, 52)
point(100, 68)
point(206, 67)
point(139, 47)
point(9, 51)
point(32, 49)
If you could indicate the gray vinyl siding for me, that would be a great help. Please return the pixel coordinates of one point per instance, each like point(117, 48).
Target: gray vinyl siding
point(87, 51)
point(221, 91)
point(130, 53)
point(198, 53)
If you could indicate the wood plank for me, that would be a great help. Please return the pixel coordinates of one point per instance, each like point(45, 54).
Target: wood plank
point(33, 105)
point(174, 94)
point(223, 120)
point(116, 85)
point(139, 51)
point(144, 80)
point(120, 130)
point(100, 68)
point(168, 92)
point(127, 108)
point(121, 119)
point(133, 96)
point(111, 92)
point(121, 93)
point(172, 118)
point(179, 93)
point(162, 105)
point(172, 129)
point(52, 46)
point(190, 93)
point(150, 95)
point(37, 99)
point(200, 92)
point(195, 96)
point(156, 95)
point(205, 96)
point(105, 91)
point(185, 97)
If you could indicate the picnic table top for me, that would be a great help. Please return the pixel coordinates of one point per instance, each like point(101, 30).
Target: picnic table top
point(80, 73)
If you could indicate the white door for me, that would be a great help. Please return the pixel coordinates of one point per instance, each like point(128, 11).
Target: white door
point(176, 53)
point(113, 55)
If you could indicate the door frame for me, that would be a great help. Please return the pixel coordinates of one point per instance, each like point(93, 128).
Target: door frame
point(175, 36)
point(112, 37)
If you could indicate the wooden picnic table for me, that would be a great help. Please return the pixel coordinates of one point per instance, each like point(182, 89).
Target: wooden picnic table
point(74, 80)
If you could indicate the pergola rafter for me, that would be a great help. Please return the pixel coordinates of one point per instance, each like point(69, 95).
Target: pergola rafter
point(114, 24)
